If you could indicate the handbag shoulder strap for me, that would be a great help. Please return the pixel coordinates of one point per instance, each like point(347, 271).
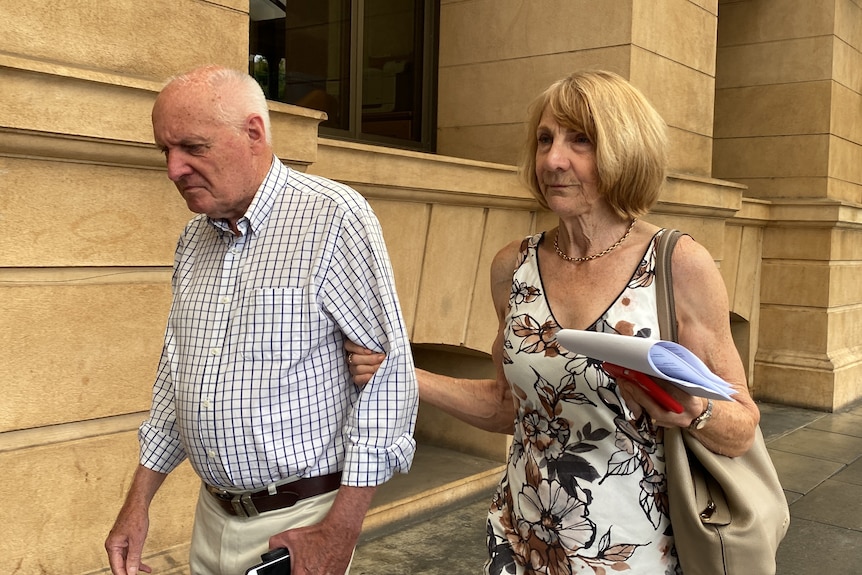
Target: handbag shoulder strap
point(664, 284)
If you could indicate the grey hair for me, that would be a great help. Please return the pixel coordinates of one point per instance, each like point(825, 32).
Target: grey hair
point(243, 95)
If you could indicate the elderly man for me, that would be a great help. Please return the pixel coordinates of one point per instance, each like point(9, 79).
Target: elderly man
point(276, 272)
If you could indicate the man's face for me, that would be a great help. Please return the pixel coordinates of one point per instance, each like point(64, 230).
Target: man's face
point(213, 165)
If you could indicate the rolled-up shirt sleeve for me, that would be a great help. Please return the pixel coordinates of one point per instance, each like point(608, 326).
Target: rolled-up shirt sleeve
point(161, 448)
point(359, 293)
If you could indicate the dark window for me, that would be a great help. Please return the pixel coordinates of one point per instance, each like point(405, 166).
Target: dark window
point(369, 64)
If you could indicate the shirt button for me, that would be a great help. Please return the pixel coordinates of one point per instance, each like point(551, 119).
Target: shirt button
point(215, 351)
point(212, 453)
point(206, 403)
point(224, 299)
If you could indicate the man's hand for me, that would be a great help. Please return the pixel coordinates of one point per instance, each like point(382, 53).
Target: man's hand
point(318, 549)
point(326, 548)
point(362, 362)
point(125, 542)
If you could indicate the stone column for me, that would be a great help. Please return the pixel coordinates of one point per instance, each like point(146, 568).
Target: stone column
point(787, 125)
point(497, 55)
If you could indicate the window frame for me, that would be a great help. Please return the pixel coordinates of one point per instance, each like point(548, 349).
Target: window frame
point(427, 40)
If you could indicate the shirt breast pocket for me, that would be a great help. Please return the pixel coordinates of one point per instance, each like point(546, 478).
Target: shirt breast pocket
point(279, 324)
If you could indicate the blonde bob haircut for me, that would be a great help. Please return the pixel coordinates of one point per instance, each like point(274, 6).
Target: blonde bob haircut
point(629, 136)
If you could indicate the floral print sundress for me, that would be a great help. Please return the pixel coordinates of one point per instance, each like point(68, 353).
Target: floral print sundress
point(584, 490)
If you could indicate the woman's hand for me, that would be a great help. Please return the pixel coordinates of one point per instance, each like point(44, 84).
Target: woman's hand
point(639, 401)
point(362, 362)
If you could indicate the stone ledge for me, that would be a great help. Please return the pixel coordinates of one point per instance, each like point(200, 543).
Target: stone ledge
point(62, 102)
point(74, 431)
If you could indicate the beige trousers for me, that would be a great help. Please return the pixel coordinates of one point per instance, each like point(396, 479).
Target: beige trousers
point(223, 544)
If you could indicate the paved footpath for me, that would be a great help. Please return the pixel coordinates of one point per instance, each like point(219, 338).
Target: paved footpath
point(819, 459)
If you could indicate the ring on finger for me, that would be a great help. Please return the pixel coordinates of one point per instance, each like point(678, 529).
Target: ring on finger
point(350, 358)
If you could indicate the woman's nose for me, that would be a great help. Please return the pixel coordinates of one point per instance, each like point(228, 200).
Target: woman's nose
point(555, 157)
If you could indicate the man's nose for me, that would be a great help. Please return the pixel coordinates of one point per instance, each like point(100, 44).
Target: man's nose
point(178, 167)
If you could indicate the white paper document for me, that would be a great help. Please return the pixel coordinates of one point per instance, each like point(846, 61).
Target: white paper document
point(658, 358)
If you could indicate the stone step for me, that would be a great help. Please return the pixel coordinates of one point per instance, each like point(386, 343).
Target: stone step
point(439, 479)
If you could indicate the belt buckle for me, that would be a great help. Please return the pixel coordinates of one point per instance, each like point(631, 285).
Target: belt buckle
point(243, 505)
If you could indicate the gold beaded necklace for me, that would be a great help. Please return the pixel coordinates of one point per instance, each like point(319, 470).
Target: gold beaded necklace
point(569, 258)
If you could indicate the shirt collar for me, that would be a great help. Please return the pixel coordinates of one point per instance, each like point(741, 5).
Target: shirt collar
point(261, 206)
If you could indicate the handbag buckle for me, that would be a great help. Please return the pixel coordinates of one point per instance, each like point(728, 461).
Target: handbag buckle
point(706, 514)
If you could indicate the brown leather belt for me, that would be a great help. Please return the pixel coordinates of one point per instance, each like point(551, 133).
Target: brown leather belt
point(252, 503)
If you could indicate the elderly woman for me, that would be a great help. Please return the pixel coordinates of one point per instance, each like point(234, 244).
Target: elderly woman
point(584, 489)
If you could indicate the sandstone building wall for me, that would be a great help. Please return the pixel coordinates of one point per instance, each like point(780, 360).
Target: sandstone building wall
point(764, 106)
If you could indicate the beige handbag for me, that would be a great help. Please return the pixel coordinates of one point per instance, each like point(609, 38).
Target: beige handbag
point(728, 514)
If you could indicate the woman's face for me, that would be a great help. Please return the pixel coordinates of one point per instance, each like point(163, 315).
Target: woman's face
point(565, 166)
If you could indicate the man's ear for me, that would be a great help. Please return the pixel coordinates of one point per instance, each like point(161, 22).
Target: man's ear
point(256, 132)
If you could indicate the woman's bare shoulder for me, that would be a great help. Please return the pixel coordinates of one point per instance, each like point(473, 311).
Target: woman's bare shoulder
point(507, 259)
point(699, 288)
point(502, 269)
point(691, 259)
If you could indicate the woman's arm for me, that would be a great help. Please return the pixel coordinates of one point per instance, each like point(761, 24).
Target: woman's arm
point(483, 403)
point(703, 321)
point(480, 402)
point(703, 318)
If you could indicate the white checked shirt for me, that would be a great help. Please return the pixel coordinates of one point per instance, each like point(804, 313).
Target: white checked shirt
point(253, 385)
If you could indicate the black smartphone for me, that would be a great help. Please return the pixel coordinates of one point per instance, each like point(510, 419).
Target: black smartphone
point(275, 562)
